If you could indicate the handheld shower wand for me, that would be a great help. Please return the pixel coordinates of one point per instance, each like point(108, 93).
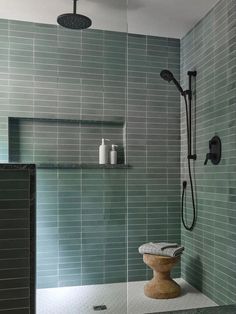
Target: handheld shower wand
point(169, 77)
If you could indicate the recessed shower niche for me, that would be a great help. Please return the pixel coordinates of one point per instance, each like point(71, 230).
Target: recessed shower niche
point(61, 142)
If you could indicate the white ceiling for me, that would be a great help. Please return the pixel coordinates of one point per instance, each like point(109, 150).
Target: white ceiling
point(168, 18)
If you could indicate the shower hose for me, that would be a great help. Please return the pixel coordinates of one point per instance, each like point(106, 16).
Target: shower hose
point(186, 226)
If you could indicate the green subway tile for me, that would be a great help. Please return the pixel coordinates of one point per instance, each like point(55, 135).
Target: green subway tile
point(103, 206)
point(213, 197)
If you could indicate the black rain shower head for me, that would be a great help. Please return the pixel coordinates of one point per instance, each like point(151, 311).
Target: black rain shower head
point(168, 76)
point(74, 20)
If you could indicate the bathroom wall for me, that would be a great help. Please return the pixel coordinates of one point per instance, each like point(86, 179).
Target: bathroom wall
point(91, 221)
point(153, 147)
point(17, 238)
point(208, 262)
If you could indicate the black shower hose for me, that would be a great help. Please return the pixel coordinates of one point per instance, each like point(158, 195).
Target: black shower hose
point(190, 228)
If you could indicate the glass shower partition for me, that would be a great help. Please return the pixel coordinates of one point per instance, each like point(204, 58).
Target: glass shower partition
point(81, 205)
point(75, 94)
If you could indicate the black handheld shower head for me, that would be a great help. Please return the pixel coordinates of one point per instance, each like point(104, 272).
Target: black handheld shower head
point(74, 20)
point(168, 76)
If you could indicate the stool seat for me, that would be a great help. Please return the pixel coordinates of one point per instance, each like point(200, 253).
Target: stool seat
point(162, 286)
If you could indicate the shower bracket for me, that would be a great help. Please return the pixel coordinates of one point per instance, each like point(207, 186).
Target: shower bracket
point(194, 157)
point(192, 73)
point(188, 93)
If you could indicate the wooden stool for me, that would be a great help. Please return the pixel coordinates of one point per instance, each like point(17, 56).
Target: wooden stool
point(161, 286)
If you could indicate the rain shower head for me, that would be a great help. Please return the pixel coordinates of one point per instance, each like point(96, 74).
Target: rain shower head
point(74, 20)
point(168, 76)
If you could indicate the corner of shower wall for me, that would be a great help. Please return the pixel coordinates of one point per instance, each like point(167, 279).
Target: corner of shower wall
point(4, 98)
point(153, 143)
point(210, 49)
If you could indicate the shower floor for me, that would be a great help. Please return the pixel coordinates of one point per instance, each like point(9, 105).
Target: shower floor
point(119, 298)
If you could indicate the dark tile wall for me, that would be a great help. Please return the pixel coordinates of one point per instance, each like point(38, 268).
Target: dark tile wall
point(17, 239)
point(91, 221)
point(209, 259)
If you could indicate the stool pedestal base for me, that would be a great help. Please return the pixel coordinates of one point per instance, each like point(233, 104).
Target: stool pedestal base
point(162, 286)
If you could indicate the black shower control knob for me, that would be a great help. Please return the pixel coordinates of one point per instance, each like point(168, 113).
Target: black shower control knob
point(210, 156)
point(212, 142)
point(207, 158)
point(215, 151)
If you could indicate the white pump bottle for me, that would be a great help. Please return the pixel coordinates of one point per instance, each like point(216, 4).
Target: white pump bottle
point(113, 155)
point(103, 153)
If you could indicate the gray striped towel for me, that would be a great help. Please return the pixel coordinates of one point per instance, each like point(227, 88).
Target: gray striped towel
point(161, 248)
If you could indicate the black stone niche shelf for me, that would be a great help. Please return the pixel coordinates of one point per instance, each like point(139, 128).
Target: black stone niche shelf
point(118, 121)
point(80, 166)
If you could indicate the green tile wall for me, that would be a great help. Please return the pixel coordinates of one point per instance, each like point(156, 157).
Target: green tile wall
point(209, 259)
point(153, 147)
point(91, 221)
point(68, 141)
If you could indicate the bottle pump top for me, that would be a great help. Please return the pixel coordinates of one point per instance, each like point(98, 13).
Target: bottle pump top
point(113, 155)
point(103, 140)
point(113, 147)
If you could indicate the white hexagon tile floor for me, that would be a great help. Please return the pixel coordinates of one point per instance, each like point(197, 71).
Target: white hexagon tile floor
point(119, 298)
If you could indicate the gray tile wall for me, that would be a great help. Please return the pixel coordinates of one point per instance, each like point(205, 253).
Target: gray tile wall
point(91, 221)
point(209, 259)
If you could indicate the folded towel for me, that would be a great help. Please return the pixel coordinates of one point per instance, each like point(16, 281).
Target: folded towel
point(162, 248)
point(164, 245)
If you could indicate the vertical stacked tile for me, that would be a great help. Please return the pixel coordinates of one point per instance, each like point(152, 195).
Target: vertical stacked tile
point(208, 262)
point(68, 59)
point(115, 206)
point(103, 202)
point(70, 227)
point(17, 227)
point(153, 147)
point(163, 133)
point(86, 218)
point(45, 102)
point(136, 154)
point(69, 106)
point(173, 149)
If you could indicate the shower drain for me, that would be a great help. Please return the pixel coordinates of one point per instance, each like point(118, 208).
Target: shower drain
point(100, 307)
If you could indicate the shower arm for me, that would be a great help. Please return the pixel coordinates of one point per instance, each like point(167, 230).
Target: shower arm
point(75, 4)
point(188, 93)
